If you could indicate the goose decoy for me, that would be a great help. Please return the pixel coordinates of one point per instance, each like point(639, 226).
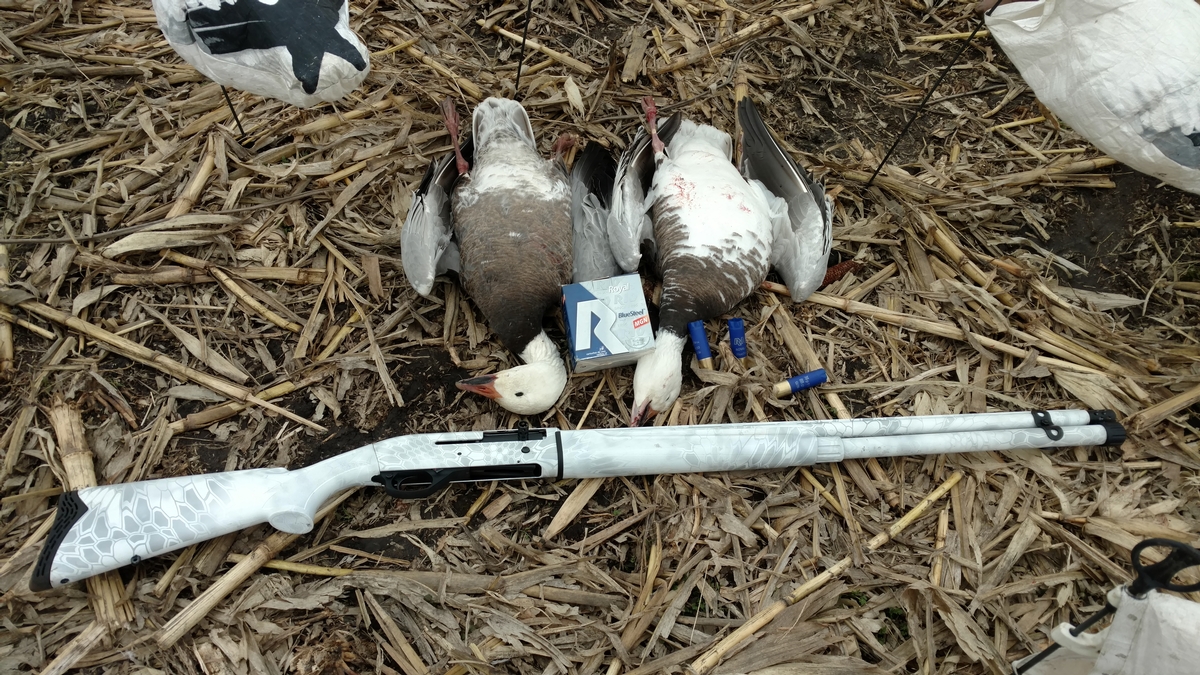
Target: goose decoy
point(1124, 74)
point(713, 231)
point(500, 215)
point(299, 51)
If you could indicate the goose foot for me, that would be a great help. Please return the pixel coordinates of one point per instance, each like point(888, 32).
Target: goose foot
point(565, 142)
point(450, 116)
point(651, 122)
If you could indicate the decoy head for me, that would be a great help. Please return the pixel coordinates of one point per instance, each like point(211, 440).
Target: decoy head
point(657, 379)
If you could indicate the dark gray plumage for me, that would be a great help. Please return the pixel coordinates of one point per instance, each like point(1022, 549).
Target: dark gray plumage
point(591, 191)
point(800, 251)
point(629, 224)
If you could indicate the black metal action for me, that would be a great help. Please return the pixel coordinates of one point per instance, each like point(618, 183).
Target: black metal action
point(421, 483)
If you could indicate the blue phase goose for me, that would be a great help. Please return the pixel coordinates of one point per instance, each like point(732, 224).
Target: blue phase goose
point(713, 231)
point(500, 215)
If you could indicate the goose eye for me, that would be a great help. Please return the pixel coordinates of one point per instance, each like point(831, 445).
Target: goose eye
point(520, 393)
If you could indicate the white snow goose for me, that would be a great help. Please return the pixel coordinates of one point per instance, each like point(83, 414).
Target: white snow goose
point(500, 215)
point(299, 51)
point(714, 231)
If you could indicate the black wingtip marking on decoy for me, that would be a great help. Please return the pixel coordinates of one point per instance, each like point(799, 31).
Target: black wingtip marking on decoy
point(306, 28)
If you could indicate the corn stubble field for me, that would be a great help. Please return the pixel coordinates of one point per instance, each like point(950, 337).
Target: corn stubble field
point(161, 269)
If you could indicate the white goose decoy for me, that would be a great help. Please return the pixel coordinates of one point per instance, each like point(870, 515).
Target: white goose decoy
point(714, 231)
point(299, 51)
point(1124, 74)
point(500, 215)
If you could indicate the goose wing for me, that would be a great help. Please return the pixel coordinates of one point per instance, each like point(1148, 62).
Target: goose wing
point(591, 190)
point(427, 246)
point(628, 221)
point(800, 249)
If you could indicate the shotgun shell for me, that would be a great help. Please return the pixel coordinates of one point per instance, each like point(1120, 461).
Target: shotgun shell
point(800, 383)
point(737, 338)
point(700, 344)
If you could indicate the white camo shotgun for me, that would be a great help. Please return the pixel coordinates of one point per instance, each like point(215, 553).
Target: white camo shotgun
point(98, 529)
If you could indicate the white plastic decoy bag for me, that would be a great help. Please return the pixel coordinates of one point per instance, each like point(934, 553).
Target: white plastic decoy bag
point(1156, 635)
point(299, 51)
point(1124, 74)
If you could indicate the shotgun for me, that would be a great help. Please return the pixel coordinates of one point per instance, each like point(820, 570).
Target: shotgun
point(98, 529)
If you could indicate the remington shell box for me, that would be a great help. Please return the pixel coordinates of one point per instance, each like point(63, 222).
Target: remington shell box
point(607, 323)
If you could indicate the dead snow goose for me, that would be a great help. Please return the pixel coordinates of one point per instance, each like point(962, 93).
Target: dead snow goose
point(500, 215)
point(714, 231)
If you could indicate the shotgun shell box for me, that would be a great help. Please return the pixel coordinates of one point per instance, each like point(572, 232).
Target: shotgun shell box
point(607, 323)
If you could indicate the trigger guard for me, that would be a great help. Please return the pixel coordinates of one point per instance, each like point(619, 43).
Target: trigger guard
point(438, 479)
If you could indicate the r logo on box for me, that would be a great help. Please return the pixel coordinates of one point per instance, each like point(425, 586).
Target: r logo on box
point(602, 330)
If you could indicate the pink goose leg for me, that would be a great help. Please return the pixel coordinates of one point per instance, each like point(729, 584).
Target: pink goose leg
point(563, 144)
point(652, 123)
point(450, 115)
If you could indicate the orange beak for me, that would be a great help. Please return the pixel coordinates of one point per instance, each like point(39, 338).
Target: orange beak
point(642, 415)
point(483, 385)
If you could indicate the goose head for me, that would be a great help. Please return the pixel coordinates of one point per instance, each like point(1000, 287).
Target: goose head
point(657, 378)
point(528, 389)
